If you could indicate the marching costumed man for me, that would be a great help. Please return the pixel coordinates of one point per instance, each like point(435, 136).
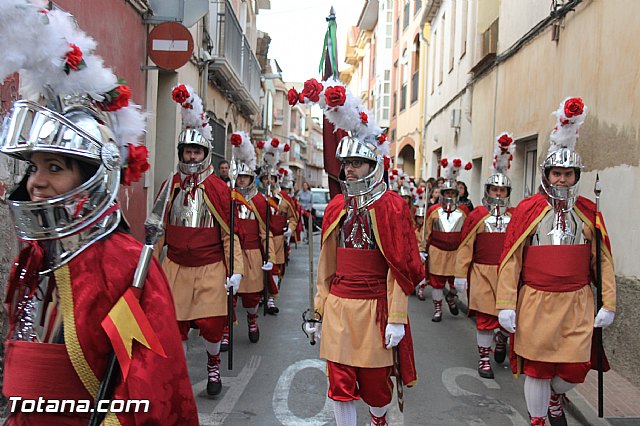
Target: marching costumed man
point(483, 236)
point(420, 209)
point(443, 224)
point(278, 222)
point(252, 230)
point(548, 262)
point(369, 264)
point(71, 301)
point(288, 205)
point(198, 236)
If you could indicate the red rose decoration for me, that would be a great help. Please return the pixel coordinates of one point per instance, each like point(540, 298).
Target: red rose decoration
point(260, 144)
point(275, 142)
point(293, 96)
point(312, 90)
point(287, 148)
point(364, 118)
point(468, 166)
point(119, 98)
point(74, 59)
point(136, 164)
point(573, 107)
point(382, 138)
point(180, 94)
point(392, 177)
point(420, 190)
point(444, 162)
point(394, 172)
point(335, 96)
point(236, 139)
point(505, 140)
point(387, 161)
point(457, 162)
point(281, 170)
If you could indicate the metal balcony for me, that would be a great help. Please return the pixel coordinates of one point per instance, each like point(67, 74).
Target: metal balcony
point(234, 66)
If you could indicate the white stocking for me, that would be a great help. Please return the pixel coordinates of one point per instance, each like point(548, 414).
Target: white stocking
point(379, 411)
point(436, 294)
point(485, 338)
point(212, 348)
point(185, 347)
point(559, 385)
point(253, 310)
point(345, 413)
point(537, 393)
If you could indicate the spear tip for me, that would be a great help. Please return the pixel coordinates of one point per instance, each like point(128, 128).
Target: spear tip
point(597, 188)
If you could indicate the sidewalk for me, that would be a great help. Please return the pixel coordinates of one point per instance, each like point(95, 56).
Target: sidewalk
point(621, 398)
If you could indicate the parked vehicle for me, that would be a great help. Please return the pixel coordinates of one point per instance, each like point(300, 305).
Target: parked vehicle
point(320, 199)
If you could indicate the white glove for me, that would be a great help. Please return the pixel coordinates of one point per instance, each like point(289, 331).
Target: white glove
point(507, 319)
point(233, 282)
point(604, 318)
point(393, 334)
point(287, 233)
point(267, 266)
point(460, 284)
point(313, 329)
point(423, 256)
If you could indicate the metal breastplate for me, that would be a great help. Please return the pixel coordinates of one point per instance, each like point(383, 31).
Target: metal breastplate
point(559, 228)
point(30, 312)
point(191, 211)
point(245, 212)
point(448, 222)
point(496, 223)
point(360, 235)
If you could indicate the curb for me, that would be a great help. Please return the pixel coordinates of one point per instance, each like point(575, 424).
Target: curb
point(577, 406)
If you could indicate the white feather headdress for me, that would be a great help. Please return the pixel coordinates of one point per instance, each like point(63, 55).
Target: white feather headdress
point(570, 116)
point(192, 111)
point(271, 151)
point(243, 149)
point(451, 169)
point(503, 153)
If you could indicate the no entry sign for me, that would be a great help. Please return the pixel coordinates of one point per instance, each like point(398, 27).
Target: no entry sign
point(170, 45)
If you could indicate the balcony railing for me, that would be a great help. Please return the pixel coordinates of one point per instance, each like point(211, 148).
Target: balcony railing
point(234, 65)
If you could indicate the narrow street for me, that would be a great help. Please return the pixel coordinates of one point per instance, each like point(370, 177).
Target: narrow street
point(281, 381)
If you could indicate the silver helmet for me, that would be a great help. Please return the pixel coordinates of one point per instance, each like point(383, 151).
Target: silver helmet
point(570, 116)
point(562, 197)
point(243, 163)
point(80, 132)
point(499, 180)
point(193, 137)
point(449, 204)
point(370, 187)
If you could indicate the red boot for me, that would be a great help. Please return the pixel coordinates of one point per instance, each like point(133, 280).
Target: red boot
point(214, 383)
point(556, 409)
point(378, 421)
point(538, 421)
point(254, 331)
point(484, 365)
point(224, 344)
point(437, 314)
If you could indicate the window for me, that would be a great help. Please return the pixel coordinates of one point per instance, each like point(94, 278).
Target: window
point(398, 29)
point(415, 68)
point(452, 33)
point(389, 29)
point(393, 135)
point(464, 6)
point(404, 78)
point(441, 47)
point(490, 39)
point(406, 14)
point(418, 6)
point(530, 167)
point(433, 60)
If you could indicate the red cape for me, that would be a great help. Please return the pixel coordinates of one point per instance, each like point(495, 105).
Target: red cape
point(94, 281)
point(397, 239)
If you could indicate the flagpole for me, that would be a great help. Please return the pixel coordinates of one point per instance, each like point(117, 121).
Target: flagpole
point(598, 330)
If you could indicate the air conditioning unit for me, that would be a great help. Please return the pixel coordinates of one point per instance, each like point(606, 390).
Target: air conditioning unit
point(455, 118)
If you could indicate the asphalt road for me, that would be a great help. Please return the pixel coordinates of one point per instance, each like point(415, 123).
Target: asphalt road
point(281, 381)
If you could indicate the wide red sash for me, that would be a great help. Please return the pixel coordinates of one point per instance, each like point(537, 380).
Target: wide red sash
point(249, 233)
point(194, 246)
point(360, 274)
point(488, 248)
point(561, 269)
point(33, 370)
point(447, 241)
point(278, 223)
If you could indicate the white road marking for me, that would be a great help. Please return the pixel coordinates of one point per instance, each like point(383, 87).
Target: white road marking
point(281, 397)
point(449, 377)
point(236, 387)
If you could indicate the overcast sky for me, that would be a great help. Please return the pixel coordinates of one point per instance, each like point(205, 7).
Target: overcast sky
point(297, 29)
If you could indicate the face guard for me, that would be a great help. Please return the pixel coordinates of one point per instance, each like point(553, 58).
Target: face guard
point(193, 137)
point(351, 147)
point(250, 190)
point(490, 202)
point(77, 133)
point(449, 204)
point(562, 197)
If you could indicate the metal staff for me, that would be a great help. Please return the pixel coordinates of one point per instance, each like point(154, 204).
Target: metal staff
point(267, 274)
point(233, 174)
point(311, 304)
point(399, 388)
point(598, 330)
point(154, 229)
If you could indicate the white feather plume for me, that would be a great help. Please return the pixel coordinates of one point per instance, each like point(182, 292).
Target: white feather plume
point(272, 153)
point(565, 133)
point(245, 152)
point(503, 153)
